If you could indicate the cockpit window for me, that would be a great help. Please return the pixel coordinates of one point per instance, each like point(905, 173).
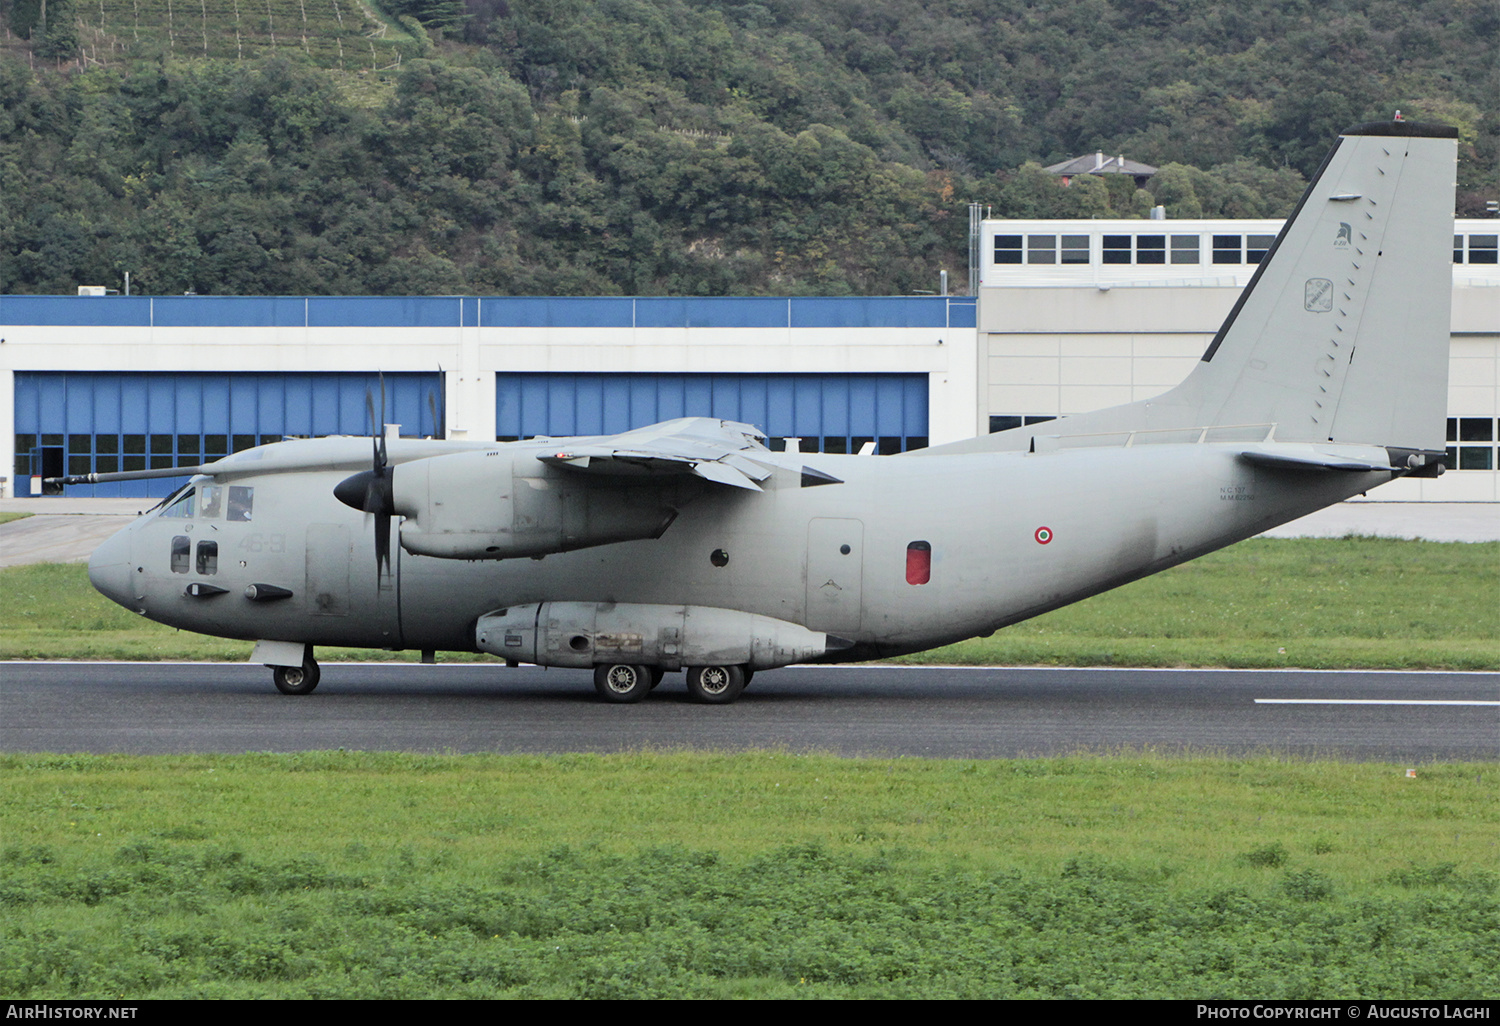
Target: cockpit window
point(182, 506)
point(241, 502)
point(210, 502)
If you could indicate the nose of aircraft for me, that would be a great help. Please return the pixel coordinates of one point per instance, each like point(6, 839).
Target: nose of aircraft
point(110, 570)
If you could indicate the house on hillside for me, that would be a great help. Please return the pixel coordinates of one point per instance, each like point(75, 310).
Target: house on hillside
point(1098, 164)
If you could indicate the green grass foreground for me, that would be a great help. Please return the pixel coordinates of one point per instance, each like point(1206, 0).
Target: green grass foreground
point(1306, 602)
point(673, 874)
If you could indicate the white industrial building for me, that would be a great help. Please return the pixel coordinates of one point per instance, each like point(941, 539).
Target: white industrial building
point(1080, 315)
point(1069, 316)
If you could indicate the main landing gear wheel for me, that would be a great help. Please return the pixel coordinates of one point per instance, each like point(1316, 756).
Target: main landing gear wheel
point(296, 680)
point(716, 685)
point(622, 682)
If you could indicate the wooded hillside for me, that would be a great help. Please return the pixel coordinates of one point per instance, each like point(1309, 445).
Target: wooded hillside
point(670, 147)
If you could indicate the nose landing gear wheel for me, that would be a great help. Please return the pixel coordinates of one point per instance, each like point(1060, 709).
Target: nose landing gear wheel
point(296, 680)
point(716, 685)
point(622, 682)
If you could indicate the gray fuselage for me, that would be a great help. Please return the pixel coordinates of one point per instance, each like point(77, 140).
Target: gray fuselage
point(1006, 536)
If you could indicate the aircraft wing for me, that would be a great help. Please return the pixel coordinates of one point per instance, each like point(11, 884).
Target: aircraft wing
point(721, 451)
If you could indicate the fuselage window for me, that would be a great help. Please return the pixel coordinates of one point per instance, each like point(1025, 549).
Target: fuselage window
point(182, 506)
point(208, 557)
point(241, 502)
point(918, 563)
point(181, 557)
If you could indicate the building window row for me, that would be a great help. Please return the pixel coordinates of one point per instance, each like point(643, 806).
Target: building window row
point(1184, 249)
point(1471, 443)
point(1041, 249)
point(1139, 249)
point(53, 455)
point(1476, 249)
point(1006, 421)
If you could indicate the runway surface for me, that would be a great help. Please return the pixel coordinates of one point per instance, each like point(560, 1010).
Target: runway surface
point(860, 710)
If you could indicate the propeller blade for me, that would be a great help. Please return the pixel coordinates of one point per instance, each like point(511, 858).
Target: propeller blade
point(371, 491)
point(382, 545)
point(375, 432)
point(381, 459)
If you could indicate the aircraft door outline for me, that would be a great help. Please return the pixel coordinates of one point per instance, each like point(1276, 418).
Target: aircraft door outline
point(835, 575)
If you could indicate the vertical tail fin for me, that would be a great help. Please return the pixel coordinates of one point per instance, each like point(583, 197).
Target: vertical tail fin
point(1343, 333)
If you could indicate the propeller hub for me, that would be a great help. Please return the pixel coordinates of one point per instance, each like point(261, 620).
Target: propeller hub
point(354, 491)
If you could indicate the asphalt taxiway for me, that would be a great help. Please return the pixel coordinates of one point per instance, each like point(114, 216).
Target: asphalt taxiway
point(946, 712)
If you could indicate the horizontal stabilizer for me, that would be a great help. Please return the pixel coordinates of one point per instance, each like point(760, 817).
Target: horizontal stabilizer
point(1276, 462)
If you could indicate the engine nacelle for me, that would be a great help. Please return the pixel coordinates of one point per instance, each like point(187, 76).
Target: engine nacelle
point(585, 634)
point(499, 504)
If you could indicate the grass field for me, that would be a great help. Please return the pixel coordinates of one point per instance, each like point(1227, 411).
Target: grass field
point(759, 875)
point(1324, 603)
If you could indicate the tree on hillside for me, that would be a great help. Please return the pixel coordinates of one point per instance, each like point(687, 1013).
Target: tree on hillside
point(56, 30)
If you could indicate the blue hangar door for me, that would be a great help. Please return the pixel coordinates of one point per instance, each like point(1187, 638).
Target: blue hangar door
point(80, 423)
point(828, 412)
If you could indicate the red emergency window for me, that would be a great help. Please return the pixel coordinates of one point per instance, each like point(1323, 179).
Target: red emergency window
point(918, 563)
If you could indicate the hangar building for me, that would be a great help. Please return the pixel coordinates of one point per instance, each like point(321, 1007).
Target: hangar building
point(96, 384)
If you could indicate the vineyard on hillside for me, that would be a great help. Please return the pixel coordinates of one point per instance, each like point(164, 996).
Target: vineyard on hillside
point(343, 34)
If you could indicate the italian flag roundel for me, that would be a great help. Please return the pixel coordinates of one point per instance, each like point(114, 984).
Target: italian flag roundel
point(1043, 535)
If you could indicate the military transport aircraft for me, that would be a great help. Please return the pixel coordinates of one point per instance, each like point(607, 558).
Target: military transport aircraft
point(690, 545)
